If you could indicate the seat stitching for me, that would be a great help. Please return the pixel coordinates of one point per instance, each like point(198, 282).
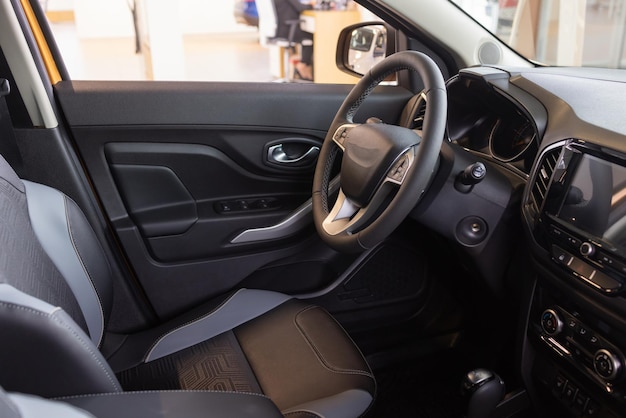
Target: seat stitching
point(8, 184)
point(84, 266)
point(307, 413)
point(318, 353)
point(160, 391)
point(165, 334)
point(65, 325)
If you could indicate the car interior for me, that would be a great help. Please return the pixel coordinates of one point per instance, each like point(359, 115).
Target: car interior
point(444, 238)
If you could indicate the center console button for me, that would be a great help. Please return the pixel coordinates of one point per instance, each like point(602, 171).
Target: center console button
point(571, 323)
point(570, 392)
point(559, 384)
point(605, 260)
point(619, 266)
point(561, 255)
point(592, 408)
point(573, 241)
point(581, 268)
point(580, 401)
point(556, 232)
point(587, 249)
point(604, 282)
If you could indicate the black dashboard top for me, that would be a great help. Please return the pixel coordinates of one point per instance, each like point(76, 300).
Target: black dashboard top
point(493, 109)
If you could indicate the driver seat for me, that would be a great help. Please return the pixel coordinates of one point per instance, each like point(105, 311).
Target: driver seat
point(56, 298)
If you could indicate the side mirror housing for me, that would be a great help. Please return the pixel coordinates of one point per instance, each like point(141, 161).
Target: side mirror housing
point(363, 45)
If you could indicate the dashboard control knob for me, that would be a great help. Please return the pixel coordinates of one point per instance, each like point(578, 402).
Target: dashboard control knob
point(551, 322)
point(606, 364)
point(473, 174)
point(587, 249)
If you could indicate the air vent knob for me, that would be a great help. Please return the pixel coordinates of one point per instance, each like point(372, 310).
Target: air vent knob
point(607, 364)
point(551, 322)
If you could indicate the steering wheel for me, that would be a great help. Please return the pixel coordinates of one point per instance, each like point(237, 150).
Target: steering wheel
point(385, 169)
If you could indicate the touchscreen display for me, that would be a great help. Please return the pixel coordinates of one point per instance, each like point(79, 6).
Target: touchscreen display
point(595, 201)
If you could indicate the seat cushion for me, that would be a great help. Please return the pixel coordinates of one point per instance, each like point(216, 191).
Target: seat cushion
point(296, 354)
point(175, 404)
point(159, 404)
point(302, 357)
point(216, 364)
point(18, 405)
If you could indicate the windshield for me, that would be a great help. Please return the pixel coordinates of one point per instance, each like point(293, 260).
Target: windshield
point(557, 32)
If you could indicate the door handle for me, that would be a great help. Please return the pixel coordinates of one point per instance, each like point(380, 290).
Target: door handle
point(278, 155)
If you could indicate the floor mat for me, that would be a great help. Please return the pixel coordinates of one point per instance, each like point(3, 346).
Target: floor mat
point(428, 389)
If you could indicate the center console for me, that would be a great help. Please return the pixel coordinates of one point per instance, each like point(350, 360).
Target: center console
point(575, 209)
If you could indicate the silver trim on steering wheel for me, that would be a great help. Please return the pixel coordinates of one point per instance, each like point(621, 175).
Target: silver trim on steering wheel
point(346, 216)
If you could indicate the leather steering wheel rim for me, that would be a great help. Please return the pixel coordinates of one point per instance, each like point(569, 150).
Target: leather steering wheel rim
point(424, 155)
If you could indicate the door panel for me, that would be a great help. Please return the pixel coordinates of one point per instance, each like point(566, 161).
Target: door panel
point(183, 169)
point(189, 201)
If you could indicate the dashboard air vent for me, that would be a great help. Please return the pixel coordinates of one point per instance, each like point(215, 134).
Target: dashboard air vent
point(542, 178)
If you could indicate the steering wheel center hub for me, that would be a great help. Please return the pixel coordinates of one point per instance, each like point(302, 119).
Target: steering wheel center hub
point(370, 152)
point(384, 172)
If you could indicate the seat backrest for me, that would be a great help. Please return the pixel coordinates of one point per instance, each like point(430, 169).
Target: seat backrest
point(268, 21)
point(55, 293)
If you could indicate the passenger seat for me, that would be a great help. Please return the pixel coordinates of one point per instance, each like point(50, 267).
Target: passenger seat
point(158, 404)
point(56, 298)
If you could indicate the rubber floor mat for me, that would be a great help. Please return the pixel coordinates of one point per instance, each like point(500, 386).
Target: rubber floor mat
point(421, 390)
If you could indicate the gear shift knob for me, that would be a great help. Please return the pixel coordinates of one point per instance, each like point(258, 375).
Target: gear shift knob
point(483, 390)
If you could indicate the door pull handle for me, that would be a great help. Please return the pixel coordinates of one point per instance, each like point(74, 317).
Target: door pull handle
point(276, 154)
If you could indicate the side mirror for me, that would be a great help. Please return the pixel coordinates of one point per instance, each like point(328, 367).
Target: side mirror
point(363, 45)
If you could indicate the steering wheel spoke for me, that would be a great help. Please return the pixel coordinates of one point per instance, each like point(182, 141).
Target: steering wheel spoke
point(347, 217)
point(342, 133)
point(340, 217)
point(398, 171)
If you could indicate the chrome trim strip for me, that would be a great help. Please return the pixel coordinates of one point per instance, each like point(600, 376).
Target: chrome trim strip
point(288, 226)
point(556, 346)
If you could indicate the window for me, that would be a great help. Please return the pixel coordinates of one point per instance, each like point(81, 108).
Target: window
point(192, 40)
point(557, 32)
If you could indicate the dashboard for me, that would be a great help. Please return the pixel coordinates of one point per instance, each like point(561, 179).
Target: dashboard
point(562, 132)
point(483, 117)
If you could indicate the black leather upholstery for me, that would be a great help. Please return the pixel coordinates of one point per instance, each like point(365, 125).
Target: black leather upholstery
point(160, 404)
point(301, 355)
point(55, 299)
point(45, 352)
point(24, 262)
